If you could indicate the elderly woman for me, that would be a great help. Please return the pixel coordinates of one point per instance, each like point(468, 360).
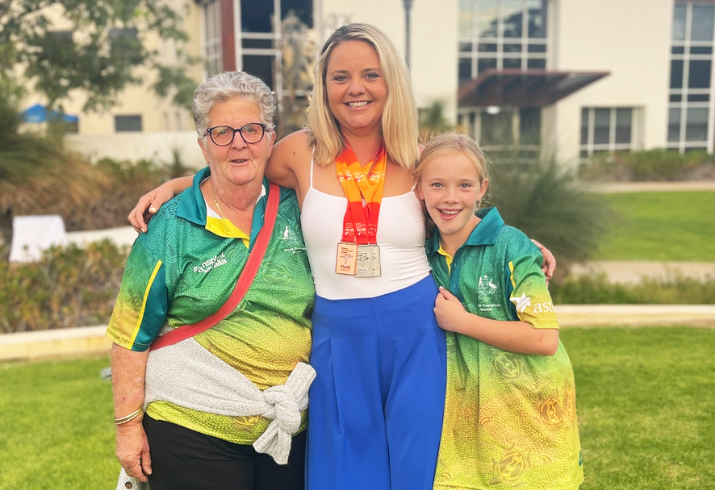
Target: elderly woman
point(231, 384)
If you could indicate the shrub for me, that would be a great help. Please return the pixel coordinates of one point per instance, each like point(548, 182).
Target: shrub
point(673, 289)
point(544, 201)
point(69, 287)
point(651, 165)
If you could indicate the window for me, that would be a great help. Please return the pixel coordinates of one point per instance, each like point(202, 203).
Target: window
point(691, 66)
point(501, 34)
point(504, 130)
point(606, 130)
point(127, 123)
point(213, 47)
point(125, 44)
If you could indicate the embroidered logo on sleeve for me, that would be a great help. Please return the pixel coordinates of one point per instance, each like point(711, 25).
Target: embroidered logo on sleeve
point(521, 302)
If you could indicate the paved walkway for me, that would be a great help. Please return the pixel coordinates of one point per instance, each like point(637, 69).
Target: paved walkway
point(680, 186)
point(634, 271)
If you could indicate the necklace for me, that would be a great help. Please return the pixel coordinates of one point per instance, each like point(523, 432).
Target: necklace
point(213, 194)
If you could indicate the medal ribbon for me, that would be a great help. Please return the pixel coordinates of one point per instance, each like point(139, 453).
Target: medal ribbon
point(360, 222)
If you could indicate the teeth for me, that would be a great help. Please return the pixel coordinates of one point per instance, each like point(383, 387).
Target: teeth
point(450, 212)
point(357, 104)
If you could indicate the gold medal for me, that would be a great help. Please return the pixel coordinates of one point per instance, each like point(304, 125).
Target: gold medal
point(346, 259)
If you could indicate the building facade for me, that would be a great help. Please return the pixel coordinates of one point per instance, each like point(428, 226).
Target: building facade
point(562, 78)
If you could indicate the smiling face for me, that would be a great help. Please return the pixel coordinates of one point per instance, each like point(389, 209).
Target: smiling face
point(239, 163)
point(356, 87)
point(452, 188)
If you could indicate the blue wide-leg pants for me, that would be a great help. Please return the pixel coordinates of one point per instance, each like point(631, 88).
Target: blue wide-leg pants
point(377, 403)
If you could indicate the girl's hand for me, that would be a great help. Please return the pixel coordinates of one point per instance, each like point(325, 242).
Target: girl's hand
point(549, 265)
point(148, 206)
point(449, 311)
point(133, 449)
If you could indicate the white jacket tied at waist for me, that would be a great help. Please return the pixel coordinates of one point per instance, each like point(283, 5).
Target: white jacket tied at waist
point(190, 376)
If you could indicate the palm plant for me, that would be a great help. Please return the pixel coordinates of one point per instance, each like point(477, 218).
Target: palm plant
point(544, 200)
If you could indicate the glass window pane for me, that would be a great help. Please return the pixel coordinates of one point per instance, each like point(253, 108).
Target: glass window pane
point(530, 126)
point(584, 126)
point(676, 73)
point(485, 64)
point(465, 47)
point(624, 123)
point(537, 18)
point(537, 48)
point(537, 64)
point(678, 50)
point(674, 125)
point(497, 129)
point(487, 48)
point(701, 50)
point(127, 123)
point(261, 67)
point(676, 97)
point(602, 126)
point(488, 10)
point(696, 128)
point(513, 18)
point(701, 28)
point(512, 48)
point(699, 73)
point(465, 18)
point(679, 22)
point(510, 63)
point(256, 17)
point(465, 69)
point(698, 97)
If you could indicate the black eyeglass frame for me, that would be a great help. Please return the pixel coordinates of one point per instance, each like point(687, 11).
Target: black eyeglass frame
point(239, 131)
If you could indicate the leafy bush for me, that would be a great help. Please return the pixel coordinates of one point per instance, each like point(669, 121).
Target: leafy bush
point(651, 165)
point(69, 287)
point(543, 200)
point(674, 289)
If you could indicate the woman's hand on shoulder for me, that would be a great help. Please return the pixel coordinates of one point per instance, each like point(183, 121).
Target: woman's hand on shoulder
point(150, 202)
point(290, 155)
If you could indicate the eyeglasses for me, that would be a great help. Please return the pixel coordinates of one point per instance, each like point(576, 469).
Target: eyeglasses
point(250, 133)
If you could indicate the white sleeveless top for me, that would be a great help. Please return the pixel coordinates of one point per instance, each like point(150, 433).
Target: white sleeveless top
point(400, 235)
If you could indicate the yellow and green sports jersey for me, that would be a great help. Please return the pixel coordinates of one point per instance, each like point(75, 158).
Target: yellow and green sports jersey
point(185, 268)
point(510, 419)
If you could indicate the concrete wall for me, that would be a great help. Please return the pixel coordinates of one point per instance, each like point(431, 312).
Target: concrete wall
point(433, 39)
point(629, 39)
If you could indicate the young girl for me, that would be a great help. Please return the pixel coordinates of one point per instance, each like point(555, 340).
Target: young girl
point(510, 418)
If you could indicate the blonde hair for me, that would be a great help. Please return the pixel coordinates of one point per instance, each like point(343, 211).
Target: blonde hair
point(449, 144)
point(399, 118)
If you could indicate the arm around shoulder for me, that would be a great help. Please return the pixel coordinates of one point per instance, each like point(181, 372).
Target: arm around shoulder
point(289, 156)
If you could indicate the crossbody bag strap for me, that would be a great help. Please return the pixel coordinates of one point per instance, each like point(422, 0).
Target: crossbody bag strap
point(244, 282)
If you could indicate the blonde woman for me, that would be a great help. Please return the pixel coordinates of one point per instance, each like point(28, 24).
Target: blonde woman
point(378, 399)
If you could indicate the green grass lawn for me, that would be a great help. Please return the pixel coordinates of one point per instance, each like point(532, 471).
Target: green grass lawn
point(645, 399)
point(665, 226)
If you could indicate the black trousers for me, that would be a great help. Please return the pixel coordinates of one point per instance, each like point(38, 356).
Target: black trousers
point(183, 459)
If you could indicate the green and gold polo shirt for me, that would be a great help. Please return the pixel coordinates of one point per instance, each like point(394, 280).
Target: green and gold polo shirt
point(510, 419)
point(185, 268)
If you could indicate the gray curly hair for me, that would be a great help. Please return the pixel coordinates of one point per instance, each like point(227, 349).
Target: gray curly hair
point(227, 85)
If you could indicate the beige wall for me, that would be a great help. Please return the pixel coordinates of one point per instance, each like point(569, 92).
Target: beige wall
point(434, 39)
point(631, 40)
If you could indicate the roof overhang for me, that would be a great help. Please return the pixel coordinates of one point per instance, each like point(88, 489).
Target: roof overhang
point(523, 88)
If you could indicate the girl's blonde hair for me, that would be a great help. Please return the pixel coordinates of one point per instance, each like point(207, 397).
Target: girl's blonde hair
point(451, 143)
point(399, 118)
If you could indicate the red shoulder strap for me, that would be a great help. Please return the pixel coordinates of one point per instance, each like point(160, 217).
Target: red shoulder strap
point(244, 280)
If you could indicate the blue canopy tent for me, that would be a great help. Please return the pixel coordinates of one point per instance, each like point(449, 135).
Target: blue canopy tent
point(38, 114)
